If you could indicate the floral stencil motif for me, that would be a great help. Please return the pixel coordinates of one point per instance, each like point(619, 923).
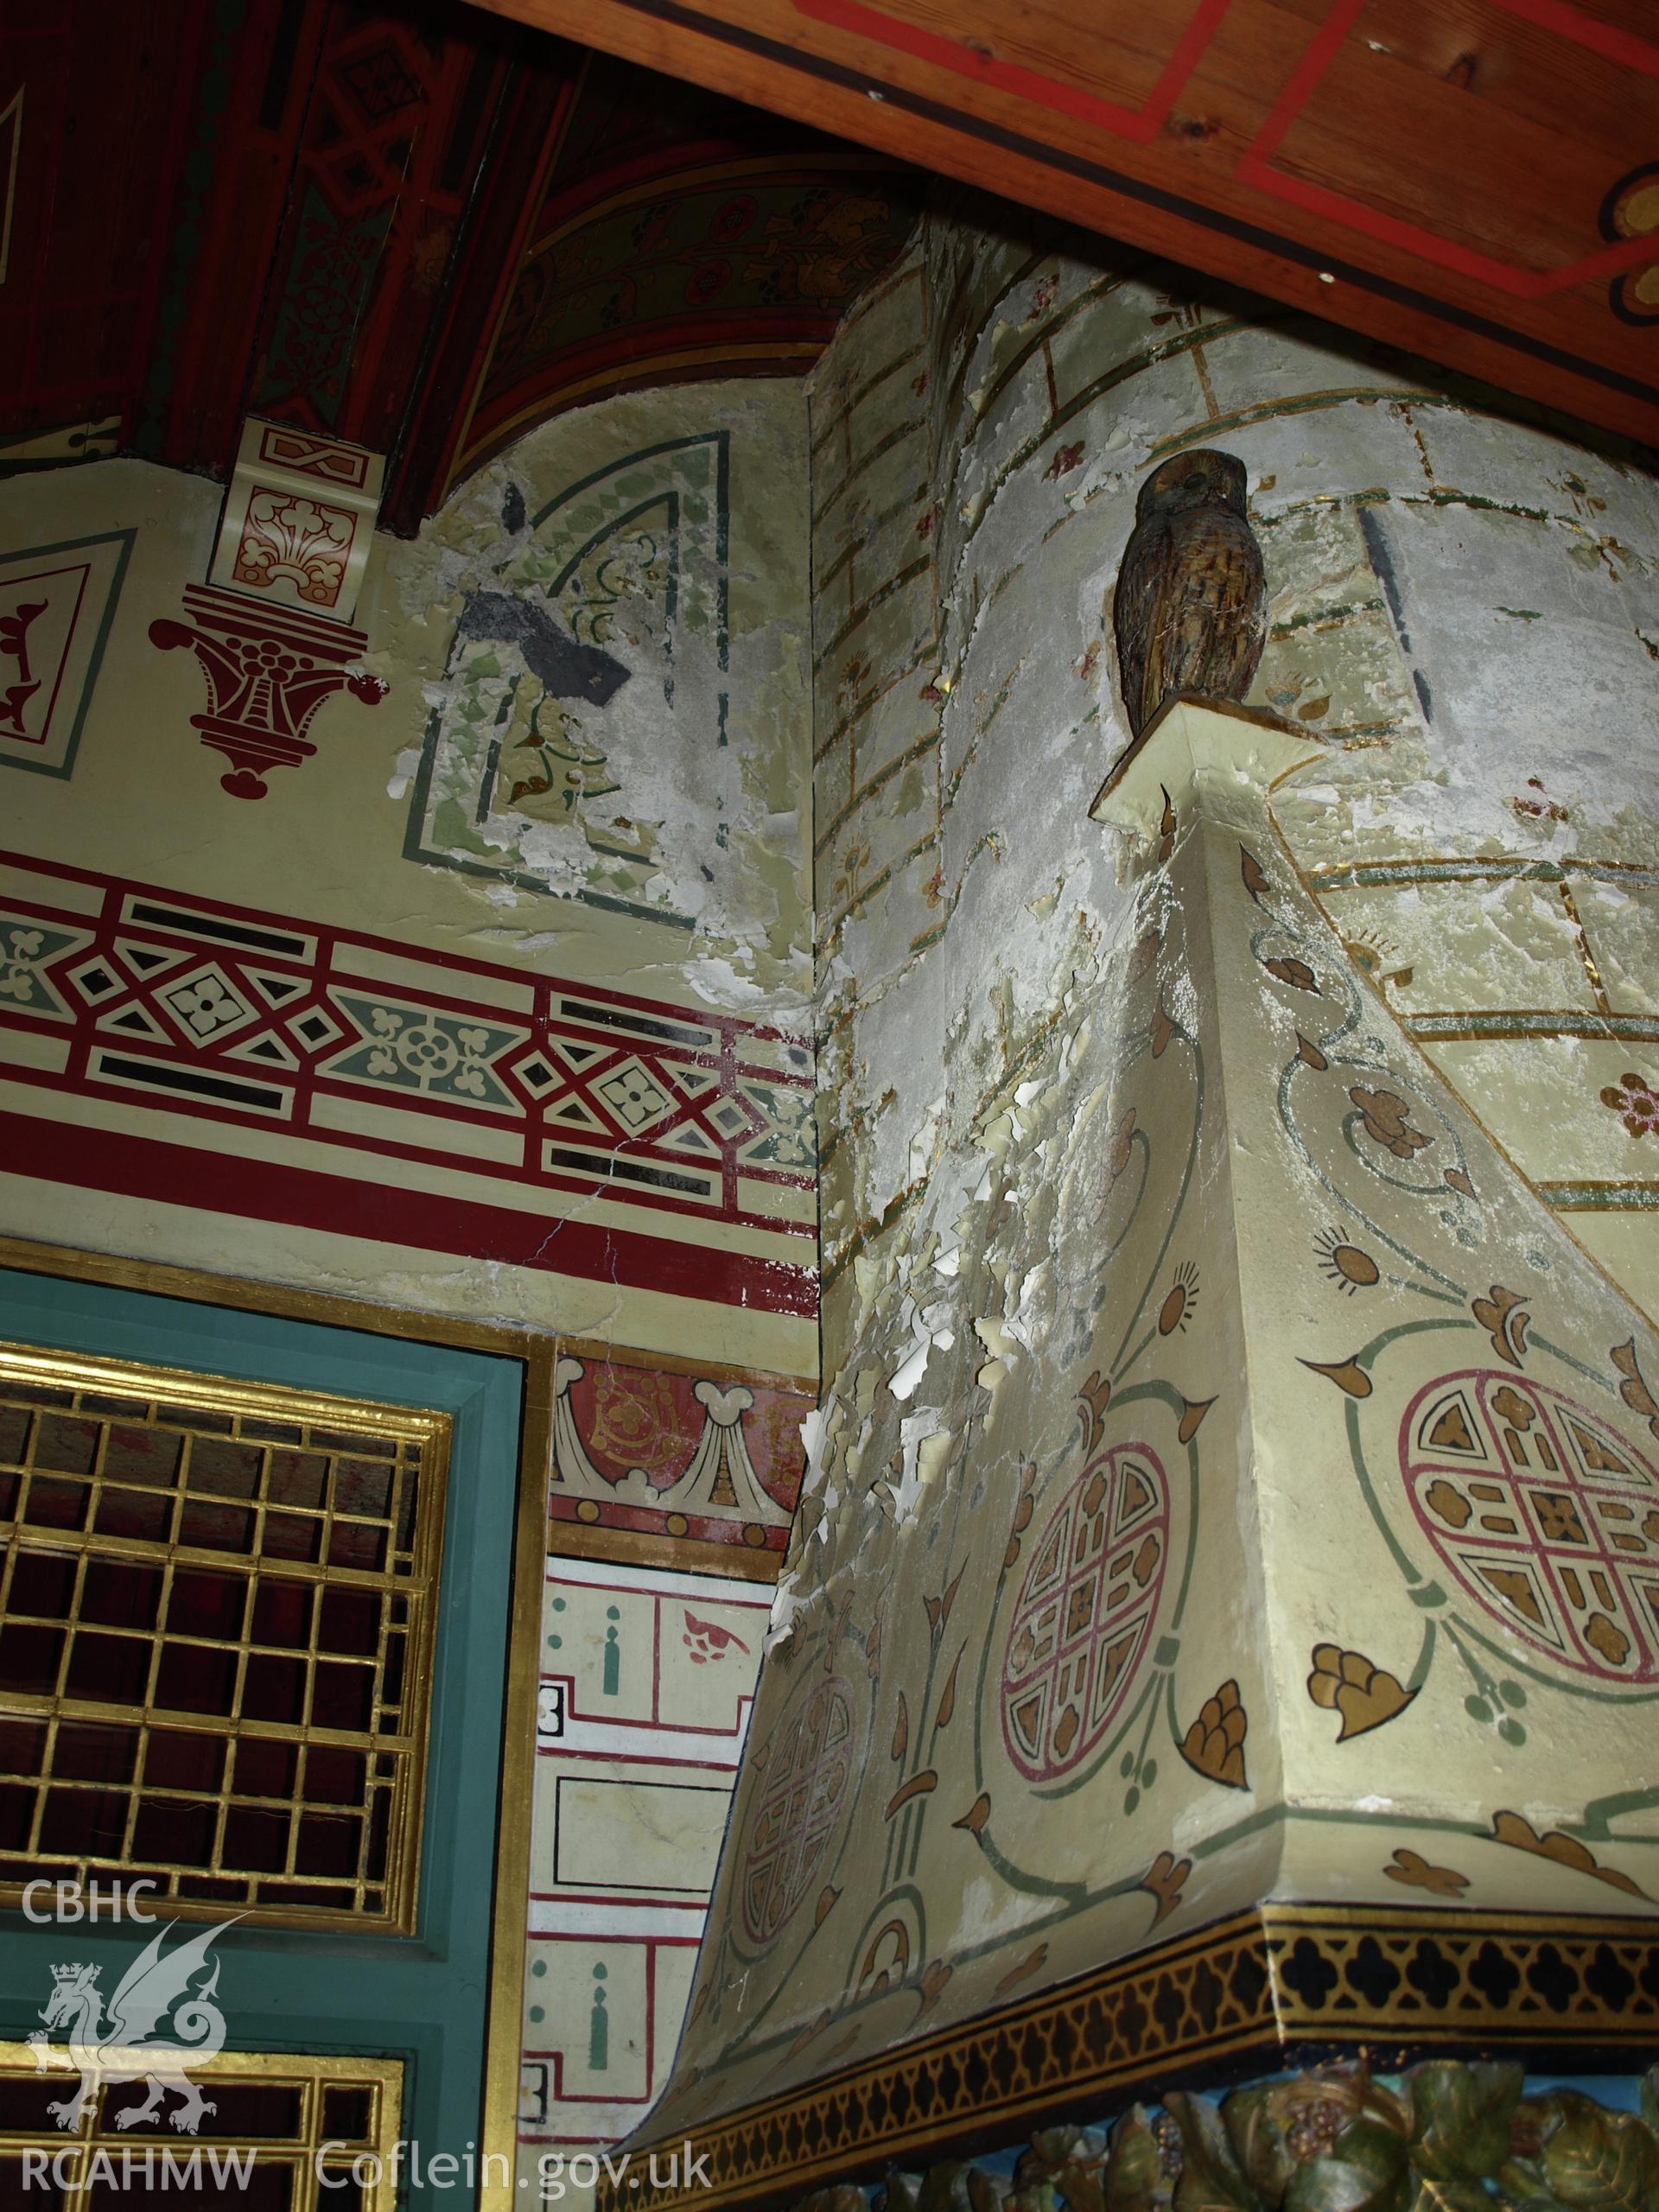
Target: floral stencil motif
point(22, 950)
point(1365, 1695)
point(1416, 1872)
point(1501, 1314)
point(1083, 1620)
point(1633, 1389)
point(1565, 1850)
point(1633, 1100)
point(268, 671)
point(1297, 973)
point(792, 1140)
point(24, 955)
point(566, 766)
point(1384, 1113)
point(1165, 1880)
point(206, 1004)
point(1214, 1744)
point(288, 539)
point(426, 1051)
point(413, 1049)
point(608, 616)
point(1543, 1516)
point(798, 1807)
point(1348, 1265)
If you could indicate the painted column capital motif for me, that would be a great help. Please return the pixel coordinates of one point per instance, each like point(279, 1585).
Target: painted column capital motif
point(268, 671)
point(299, 519)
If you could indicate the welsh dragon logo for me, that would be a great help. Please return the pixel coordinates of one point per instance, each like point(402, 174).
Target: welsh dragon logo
point(109, 2045)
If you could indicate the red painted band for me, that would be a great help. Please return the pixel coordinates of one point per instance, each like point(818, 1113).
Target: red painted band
point(1519, 283)
point(144, 1167)
point(1141, 125)
point(1446, 254)
point(1254, 169)
point(1569, 22)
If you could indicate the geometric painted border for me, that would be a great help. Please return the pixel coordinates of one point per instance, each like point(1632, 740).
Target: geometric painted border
point(618, 1535)
point(459, 1107)
point(93, 658)
point(1277, 1986)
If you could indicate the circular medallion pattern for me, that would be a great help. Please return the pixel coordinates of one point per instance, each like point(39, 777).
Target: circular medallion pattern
point(1544, 1515)
point(1085, 1613)
point(799, 1803)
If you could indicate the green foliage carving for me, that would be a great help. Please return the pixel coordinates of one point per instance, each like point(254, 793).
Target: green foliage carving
point(1450, 2137)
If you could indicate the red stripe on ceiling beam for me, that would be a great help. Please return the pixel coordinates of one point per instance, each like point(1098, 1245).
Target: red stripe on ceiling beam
point(1572, 354)
point(1518, 283)
point(1140, 123)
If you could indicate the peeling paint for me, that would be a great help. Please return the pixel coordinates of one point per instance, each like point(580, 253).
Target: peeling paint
point(1450, 616)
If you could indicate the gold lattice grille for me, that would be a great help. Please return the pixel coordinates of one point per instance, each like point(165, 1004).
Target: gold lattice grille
point(216, 1604)
point(259, 2146)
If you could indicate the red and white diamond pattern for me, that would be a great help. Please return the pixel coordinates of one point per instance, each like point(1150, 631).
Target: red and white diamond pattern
point(202, 1008)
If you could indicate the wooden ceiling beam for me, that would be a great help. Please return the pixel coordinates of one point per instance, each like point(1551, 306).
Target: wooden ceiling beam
point(1474, 180)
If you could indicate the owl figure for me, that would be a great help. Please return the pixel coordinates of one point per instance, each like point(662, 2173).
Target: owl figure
point(1190, 607)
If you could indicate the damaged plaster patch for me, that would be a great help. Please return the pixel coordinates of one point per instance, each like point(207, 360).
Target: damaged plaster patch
point(608, 623)
point(1372, 553)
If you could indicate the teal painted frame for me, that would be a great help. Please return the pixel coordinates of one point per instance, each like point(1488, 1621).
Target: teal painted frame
point(422, 1997)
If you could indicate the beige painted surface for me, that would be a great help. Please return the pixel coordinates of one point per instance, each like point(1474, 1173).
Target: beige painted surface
point(327, 841)
point(404, 1276)
point(1292, 1528)
point(1156, 1244)
point(668, 1834)
point(648, 533)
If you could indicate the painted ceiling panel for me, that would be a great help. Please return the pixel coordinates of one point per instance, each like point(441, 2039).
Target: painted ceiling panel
point(678, 233)
point(420, 227)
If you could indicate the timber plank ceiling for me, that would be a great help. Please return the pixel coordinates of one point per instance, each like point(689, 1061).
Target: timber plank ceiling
point(1473, 180)
point(426, 225)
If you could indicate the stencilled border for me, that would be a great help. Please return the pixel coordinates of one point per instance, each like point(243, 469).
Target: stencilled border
point(151, 1003)
point(1281, 1986)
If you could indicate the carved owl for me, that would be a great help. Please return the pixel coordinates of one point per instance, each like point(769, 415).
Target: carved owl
point(1190, 607)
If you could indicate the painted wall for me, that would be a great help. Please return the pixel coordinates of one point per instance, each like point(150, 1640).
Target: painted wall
point(646, 1679)
point(497, 1003)
point(499, 999)
point(1050, 1595)
point(545, 902)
